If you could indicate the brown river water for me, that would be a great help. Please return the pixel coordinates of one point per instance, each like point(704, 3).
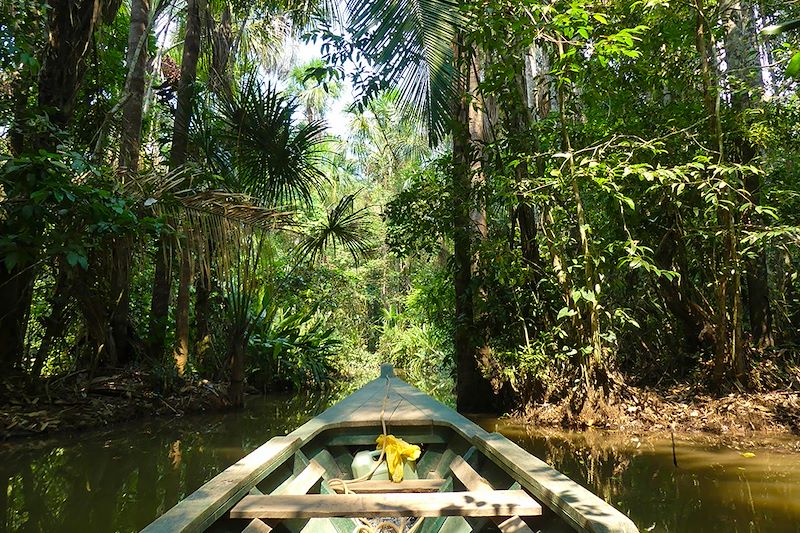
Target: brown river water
point(120, 479)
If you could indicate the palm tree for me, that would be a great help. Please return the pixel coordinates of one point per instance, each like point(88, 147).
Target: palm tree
point(313, 94)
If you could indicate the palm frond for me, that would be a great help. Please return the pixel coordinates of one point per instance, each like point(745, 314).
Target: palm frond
point(411, 44)
point(237, 207)
point(275, 160)
point(342, 225)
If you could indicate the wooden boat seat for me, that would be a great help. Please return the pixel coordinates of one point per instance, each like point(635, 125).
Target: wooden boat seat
point(473, 503)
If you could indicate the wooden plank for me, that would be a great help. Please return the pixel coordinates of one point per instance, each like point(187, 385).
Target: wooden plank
point(468, 476)
point(493, 503)
point(305, 480)
point(342, 456)
point(434, 525)
point(429, 460)
point(257, 526)
point(474, 482)
point(376, 486)
point(513, 524)
point(300, 484)
point(444, 464)
point(327, 460)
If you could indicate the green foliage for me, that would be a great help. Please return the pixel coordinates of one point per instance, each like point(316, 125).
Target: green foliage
point(61, 206)
point(415, 335)
point(291, 347)
point(341, 225)
point(272, 158)
point(419, 218)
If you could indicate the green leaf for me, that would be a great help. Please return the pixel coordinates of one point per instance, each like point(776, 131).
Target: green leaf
point(565, 312)
point(793, 69)
point(11, 260)
point(74, 259)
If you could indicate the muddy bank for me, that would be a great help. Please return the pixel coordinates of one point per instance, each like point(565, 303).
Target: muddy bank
point(686, 413)
point(77, 402)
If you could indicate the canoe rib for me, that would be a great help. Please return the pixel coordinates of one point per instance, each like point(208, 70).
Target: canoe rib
point(576, 506)
point(473, 481)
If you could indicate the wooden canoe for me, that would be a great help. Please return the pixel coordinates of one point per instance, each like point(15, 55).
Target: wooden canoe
point(469, 479)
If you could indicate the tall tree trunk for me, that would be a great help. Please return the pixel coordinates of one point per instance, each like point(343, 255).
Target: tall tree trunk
point(159, 307)
point(159, 303)
point(131, 127)
point(130, 142)
point(473, 390)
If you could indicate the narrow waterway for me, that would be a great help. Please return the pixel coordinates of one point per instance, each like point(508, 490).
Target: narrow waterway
point(122, 478)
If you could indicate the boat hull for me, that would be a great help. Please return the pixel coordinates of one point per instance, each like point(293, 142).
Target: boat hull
point(330, 440)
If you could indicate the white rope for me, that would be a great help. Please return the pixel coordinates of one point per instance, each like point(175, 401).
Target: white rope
point(345, 485)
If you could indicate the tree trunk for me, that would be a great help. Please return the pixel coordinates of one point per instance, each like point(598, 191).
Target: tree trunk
point(473, 391)
point(744, 73)
point(183, 111)
point(159, 306)
point(131, 127)
point(130, 142)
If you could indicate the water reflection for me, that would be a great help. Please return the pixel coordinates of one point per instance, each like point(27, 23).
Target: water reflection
point(714, 488)
point(122, 479)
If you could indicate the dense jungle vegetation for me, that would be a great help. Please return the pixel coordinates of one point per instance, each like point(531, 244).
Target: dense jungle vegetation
point(531, 201)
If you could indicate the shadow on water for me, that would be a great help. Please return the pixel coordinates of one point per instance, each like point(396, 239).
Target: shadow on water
point(714, 489)
point(122, 478)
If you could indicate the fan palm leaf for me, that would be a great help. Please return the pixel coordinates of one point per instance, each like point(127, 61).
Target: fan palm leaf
point(274, 159)
point(342, 226)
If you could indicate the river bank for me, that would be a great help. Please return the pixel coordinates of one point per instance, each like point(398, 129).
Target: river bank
point(78, 402)
point(686, 412)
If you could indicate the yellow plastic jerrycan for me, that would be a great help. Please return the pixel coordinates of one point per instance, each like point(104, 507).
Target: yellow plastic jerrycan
point(365, 461)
